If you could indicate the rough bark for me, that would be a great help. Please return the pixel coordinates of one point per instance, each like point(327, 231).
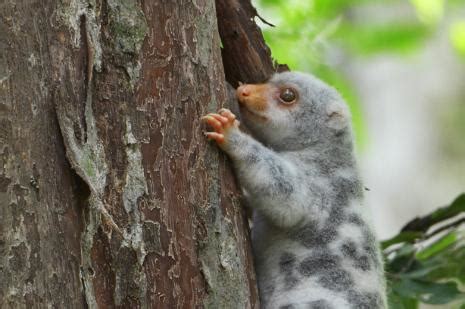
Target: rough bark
point(109, 194)
point(246, 57)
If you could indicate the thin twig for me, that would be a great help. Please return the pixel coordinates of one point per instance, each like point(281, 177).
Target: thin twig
point(263, 20)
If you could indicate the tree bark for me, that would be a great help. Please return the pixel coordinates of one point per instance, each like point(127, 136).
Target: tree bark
point(110, 195)
point(246, 57)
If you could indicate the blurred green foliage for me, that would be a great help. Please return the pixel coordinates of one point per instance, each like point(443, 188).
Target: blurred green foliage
point(429, 11)
point(425, 262)
point(309, 34)
point(457, 36)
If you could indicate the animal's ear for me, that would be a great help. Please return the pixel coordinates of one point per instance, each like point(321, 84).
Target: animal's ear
point(338, 116)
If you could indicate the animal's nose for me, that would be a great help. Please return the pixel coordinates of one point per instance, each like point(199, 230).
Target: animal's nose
point(243, 91)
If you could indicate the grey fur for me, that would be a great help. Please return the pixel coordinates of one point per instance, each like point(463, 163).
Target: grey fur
point(289, 306)
point(336, 279)
point(287, 263)
point(316, 304)
point(321, 262)
point(320, 304)
point(299, 174)
point(349, 249)
point(365, 300)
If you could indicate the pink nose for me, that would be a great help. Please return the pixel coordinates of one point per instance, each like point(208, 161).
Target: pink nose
point(243, 91)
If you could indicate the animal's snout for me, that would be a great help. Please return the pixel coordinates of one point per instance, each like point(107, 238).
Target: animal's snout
point(244, 91)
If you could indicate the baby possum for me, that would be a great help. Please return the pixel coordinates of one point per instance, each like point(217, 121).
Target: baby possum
point(313, 247)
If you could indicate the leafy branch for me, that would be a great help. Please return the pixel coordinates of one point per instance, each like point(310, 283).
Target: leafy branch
point(425, 261)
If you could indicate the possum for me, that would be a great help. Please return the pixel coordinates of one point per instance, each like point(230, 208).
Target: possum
point(312, 241)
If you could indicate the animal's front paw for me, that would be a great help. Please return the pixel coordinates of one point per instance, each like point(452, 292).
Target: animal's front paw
point(222, 123)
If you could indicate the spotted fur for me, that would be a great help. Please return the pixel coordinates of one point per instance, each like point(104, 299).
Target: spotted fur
point(312, 244)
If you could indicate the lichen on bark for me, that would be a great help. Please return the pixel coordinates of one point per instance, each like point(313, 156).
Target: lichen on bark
point(128, 25)
point(87, 156)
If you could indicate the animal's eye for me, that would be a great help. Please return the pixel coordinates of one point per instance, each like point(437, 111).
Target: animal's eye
point(287, 95)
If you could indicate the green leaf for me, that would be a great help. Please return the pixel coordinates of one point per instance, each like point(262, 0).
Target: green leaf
point(395, 301)
point(457, 206)
point(419, 273)
point(424, 223)
point(409, 237)
point(437, 246)
point(450, 263)
point(429, 292)
point(401, 261)
point(427, 269)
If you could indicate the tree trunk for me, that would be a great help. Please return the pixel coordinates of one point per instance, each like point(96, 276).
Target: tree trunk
point(110, 195)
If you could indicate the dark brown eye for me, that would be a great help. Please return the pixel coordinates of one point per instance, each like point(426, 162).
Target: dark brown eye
point(287, 95)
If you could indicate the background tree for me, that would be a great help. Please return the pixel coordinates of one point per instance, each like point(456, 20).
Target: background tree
point(110, 195)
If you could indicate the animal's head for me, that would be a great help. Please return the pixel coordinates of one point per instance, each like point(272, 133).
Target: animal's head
point(294, 111)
